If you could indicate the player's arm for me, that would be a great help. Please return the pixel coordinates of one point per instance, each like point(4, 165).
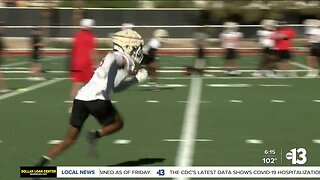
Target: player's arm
point(152, 53)
point(129, 81)
point(221, 39)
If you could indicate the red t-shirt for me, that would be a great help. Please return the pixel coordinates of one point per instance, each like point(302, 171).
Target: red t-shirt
point(81, 54)
point(283, 38)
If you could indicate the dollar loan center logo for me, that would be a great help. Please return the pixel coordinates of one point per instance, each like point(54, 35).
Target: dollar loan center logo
point(297, 156)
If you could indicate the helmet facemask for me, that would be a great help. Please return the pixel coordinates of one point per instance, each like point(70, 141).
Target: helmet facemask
point(130, 42)
point(137, 53)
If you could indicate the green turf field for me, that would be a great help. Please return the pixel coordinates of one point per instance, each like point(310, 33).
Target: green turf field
point(222, 120)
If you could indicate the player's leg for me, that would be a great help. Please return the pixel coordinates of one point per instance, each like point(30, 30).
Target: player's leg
point(69, 139)
point(317, 61)
point(312, 63)
point(262, 64)
point(228, 58)
point(280, 64)
point(38, 71)
point(36, 67)
point(232, 65)
point(113, 127)
point(3, 87)
point(153, 67)
point(108, 117)
point(270, 64)
point(152, 70)
point(288, 66)
point(79, 114)
point(200, 63)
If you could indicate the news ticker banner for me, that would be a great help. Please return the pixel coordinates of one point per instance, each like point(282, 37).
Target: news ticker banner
point(172, 172)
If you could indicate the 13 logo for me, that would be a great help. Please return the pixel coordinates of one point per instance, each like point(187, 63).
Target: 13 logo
point(161, 172)
point(297, 156)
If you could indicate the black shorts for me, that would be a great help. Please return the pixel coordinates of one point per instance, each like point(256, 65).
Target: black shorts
point(102, 110)
point(283, 55)
point(315, 52)
point(200, 53)
point(231, 54)
point(147, 59)
point(35, 56)
point(268, 51)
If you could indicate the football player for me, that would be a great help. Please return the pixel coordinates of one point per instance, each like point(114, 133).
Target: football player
point(313, 33)
point(283, 45)
point(115, 73)
point(150, 54)
point(267, 42)
point(37, 44)
point(125, 26)
point(84, 57)
point(200, 41)
point(230, 39)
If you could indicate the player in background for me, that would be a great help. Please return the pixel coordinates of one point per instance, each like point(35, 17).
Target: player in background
point(150, 54)
point(115, 73)
point(125, 26)
point(83, 57)
point(3, 87)
point(200, 42)
point(312, 28)
point(283, 45)
point(37, 43)
point(267, 43)
point(230, 39)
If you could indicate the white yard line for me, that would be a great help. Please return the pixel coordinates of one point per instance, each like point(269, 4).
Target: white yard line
point(179, 140)
point(254, 141)
point(152, 101)
point(122, 141)
point(189, 128)
point(27, 62)
point(222, 71)
point(55, 141)
point(15, 79)
point(215, 77)
point(15, 68)
point(30, 88)
point(28, 72)
point(301, 65)
point(277, 101)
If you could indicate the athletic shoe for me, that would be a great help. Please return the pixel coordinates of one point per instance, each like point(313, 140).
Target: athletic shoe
point(92, 141)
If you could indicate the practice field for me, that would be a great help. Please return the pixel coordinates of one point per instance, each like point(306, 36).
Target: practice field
point(214, 120)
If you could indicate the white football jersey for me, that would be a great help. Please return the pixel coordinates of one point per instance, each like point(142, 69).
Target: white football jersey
point(266, 38)
point(107, 76)
point(153, 43)
point(313, 35)
point(230, 39)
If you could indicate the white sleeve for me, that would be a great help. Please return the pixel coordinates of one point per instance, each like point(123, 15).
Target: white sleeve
point(260, 33)
point(118, 58)
point(104, 66)
point(154, 43)
point(221, 36)
point(240, 35)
